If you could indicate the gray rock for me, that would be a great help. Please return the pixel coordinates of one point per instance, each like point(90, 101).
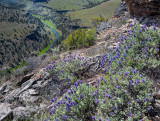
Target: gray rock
point(23, 113)
point(5, 111)
point(157, 106)
point(104, 26)
point(122, 8)
point(92, 67)
point(30, 97)
point(12, 96)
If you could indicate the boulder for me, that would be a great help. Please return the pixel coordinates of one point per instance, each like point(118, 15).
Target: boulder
point(5, 111)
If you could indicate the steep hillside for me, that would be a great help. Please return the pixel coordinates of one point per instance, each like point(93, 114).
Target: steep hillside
point(73, 4)
point(20, 34)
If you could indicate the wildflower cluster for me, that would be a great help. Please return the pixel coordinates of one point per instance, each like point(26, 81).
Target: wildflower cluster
point(123, 93)
point(77, 104)
point(64, 70)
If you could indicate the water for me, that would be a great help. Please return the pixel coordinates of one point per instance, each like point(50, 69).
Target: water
point(56, 34)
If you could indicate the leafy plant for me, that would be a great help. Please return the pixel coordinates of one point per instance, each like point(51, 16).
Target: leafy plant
point(80, 38)
point(97, 20)
point(77, 104)
point(64, 70)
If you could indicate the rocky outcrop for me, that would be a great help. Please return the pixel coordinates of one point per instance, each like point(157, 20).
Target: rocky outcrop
point(32, 95)
point(122, 8)
point(143, 7)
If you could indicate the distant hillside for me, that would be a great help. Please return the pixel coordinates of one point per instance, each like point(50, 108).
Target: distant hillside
point(86, 15)
point(20, 34)
point(73, 4)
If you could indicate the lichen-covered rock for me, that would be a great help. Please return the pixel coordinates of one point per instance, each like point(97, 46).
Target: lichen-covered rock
point(143, 7)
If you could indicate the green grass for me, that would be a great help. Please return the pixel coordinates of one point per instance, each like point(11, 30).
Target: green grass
point(45, 49)
point(70, 4)
point(106, 9)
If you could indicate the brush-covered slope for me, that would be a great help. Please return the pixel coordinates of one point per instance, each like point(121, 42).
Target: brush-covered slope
point(20, 34)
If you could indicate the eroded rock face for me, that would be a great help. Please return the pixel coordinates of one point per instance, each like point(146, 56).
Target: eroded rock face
point(143, 7)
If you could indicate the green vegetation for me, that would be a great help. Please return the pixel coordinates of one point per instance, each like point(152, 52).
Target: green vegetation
point(46, 48)
point(80, 38)
point(64, 70)
point(124, 93)
point(72, 4)
point(19, 69)
point(97, 20)
point(49, 24)
point(85, 16)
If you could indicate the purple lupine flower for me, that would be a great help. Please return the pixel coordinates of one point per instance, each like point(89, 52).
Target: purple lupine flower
point(130, 82)
point(93, 118)
point(143, 80)
point(145, 99)
point(81, 96)
point(130, 25)
point(97, 101)
point(114, 98)
point(118, 87)
point(115, 107)
point(137, 100)
point(99, 119)
point(143, 27)
point(112, 113)
point(129, 103)
point(108, 96)
point(116, 79)
point(65, 97)
point(104, 101)
point(134, 70)
point(64, 117)
point(152, 99)
point(148, 108)
point(131, 115)
point(135, 82)
point(52, 100)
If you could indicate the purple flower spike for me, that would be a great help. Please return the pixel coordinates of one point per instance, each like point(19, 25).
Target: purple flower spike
point(118, 87)
point(81, 96)
point(93, 118)
point(96, 102)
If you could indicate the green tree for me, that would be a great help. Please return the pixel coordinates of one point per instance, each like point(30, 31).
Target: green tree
point(97, 20)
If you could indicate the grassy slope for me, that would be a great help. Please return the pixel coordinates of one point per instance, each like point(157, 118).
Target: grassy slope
point(106, 9)
point(69, 4)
